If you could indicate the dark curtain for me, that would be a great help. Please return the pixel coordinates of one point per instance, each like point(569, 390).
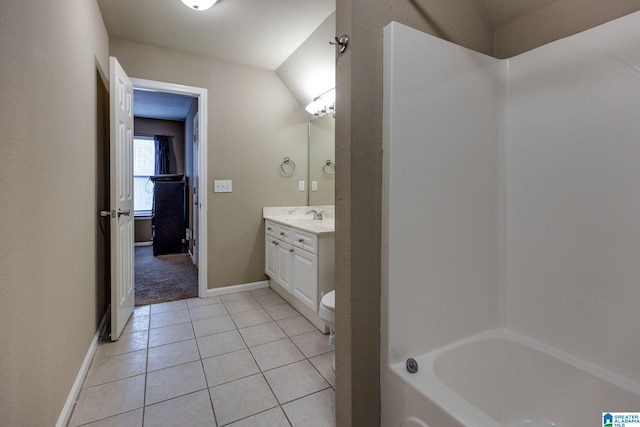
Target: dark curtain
point(165, 157)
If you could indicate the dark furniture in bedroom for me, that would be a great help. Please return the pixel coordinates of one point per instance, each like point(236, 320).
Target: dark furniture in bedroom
point(169, 212)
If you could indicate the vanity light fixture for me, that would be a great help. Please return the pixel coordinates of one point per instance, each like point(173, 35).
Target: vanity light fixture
point(323, 104)
point(199, 5)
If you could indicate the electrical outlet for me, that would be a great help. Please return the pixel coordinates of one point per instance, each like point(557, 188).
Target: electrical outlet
point(222, 186)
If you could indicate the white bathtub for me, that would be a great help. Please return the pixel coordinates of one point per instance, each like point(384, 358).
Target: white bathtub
point(500, 378)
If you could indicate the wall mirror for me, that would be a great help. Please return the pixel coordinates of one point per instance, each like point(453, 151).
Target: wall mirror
point(322, 167)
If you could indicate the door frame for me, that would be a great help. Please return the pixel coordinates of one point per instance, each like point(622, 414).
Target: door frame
point(195, 203)
point(201, 94)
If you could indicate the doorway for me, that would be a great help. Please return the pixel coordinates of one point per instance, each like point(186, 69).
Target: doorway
point(193, 131)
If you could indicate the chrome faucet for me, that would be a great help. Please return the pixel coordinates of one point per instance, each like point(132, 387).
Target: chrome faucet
point(316, 215)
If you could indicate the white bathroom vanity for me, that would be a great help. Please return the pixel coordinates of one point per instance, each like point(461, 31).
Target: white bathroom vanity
point(299, 256)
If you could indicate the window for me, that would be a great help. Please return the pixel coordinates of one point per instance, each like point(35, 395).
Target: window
point(144, 160)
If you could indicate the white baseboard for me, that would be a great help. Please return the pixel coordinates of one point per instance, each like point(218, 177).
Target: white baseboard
point(143, 243)
point(65, 415)
point(237, 288)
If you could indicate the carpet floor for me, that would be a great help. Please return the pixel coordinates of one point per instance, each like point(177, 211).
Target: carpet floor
point(164, 277)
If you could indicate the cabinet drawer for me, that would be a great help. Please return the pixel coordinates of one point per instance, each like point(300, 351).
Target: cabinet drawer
point(306, 241)
point(271, 229)
point(284, 233)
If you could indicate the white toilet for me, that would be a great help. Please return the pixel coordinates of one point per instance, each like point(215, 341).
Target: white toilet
point(327, 312)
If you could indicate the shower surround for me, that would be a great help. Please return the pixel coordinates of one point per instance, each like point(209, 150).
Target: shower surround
point(511, 204)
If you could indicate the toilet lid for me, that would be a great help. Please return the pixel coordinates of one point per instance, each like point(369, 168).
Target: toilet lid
point(329, 300)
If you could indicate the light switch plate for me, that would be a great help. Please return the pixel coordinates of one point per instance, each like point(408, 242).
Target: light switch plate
point(300, 185)
point(314, 185)
point(222, 186)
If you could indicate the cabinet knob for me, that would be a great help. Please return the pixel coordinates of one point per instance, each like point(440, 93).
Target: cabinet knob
point(269, 228)
point(290, 250)
point(277, 243)
point(273, 241)
point(282, 233)
point(300, 240)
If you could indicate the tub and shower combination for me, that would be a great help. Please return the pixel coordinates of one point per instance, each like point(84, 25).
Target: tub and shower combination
point(499, 378)
point(511, 231)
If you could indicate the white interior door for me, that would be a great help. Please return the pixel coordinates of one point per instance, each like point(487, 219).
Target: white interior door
point(121, 183)
point(196, 185)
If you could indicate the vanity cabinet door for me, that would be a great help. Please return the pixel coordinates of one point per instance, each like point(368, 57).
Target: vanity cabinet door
point(285, 255)
point(304, 277)
point(271, 257)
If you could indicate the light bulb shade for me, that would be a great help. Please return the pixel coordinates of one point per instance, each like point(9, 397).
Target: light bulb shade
point(199, 4)
point(323, 104)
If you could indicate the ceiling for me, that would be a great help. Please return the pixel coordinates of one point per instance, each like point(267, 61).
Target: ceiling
point(258, 33)
point(160, 105)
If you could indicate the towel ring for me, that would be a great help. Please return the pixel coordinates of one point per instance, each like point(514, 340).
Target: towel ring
point(287, 167)
point(329, 168)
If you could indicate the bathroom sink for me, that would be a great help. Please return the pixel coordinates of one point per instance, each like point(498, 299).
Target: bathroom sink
point(326, 225)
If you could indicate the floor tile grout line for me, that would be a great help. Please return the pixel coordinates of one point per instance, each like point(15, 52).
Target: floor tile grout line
point(146, 370)
point(306, 395)
point(112, 381)
point(254, 360)
point(105, 418)
point(237, 330)
point(180, 364)
point(175, 397)
point(321, 376)
point(172, 366)
point(213, 407)
point(253, 415)
point(263, 377)
point(167, 302)
point(206, 379)
point(318, 370)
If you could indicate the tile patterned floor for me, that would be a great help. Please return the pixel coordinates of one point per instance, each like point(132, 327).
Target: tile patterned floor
point(243, 359)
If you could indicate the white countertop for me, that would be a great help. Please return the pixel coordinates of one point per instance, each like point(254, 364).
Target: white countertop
point(325, 226)
point(297, 217)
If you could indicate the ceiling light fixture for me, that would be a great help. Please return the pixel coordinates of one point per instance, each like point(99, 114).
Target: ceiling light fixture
point(323, 104)
point(199, 4)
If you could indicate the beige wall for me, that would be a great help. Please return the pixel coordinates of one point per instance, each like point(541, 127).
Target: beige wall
point(358, 184)
point(560, 19)
point(253, 123)
point(48, 226)
point(143, 232)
